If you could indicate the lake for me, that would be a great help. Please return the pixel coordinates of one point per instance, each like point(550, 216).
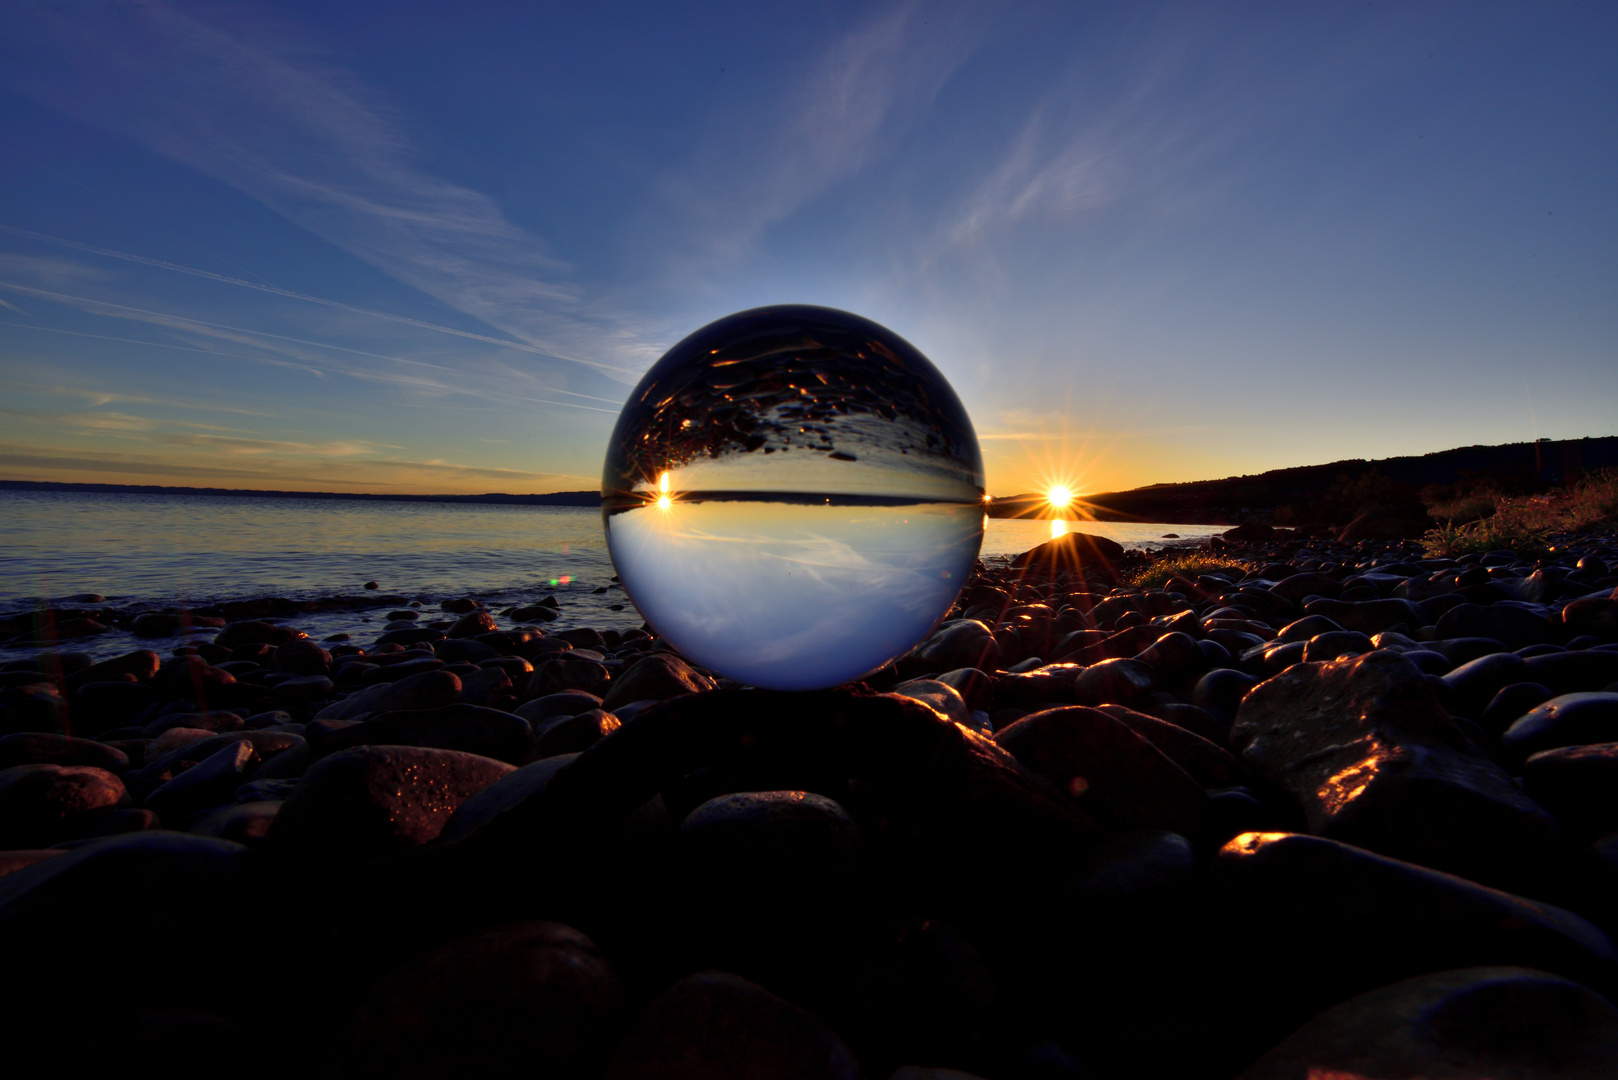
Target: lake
point(163, 549)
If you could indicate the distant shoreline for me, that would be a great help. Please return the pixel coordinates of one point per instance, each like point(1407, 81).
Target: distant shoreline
point(555, 498)
point(1228, 501)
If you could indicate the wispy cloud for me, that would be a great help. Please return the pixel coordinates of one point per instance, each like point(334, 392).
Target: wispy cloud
point(847, 111)
point(226, 279)
point(239, 104)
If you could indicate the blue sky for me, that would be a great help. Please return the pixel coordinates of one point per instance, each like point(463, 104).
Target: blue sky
point(431, 247)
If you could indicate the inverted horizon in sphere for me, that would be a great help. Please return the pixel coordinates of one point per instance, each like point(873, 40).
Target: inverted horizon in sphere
point(793, 496)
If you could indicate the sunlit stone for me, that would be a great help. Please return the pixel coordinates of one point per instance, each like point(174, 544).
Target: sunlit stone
point(793, 496)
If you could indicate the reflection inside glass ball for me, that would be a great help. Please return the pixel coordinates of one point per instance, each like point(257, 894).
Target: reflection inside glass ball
point(793, 497)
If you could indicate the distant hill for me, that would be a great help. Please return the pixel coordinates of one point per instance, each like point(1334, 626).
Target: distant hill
point(554, 498)
point(1307, 490)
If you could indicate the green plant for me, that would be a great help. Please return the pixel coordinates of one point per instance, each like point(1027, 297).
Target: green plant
point(1190, 565)
point(1525, 524)
point(1509, 527)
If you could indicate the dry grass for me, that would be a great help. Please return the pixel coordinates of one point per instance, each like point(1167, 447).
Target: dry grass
point(1187, 565)
point(1527, 524)
point(1463, 509)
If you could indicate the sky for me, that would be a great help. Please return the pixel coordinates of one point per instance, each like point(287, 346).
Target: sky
point(413, 247)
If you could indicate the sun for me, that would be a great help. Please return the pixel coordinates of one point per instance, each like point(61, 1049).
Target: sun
point(1059, 497)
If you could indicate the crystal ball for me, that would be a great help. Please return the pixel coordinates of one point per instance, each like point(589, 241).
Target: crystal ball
point(793, 497)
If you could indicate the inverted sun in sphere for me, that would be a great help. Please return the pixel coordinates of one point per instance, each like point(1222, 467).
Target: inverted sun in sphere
point(1059, 497)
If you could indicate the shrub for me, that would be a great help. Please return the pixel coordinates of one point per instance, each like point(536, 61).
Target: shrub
point(1187, 564)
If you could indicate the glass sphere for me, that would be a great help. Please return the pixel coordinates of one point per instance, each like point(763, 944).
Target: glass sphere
point(793, 497)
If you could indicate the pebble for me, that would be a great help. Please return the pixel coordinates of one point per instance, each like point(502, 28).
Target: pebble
point(368, 802)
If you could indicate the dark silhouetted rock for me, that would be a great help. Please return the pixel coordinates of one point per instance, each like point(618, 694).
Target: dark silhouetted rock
point(1374, 760)
point(570, 734)
point(656, 677)
point(718, 1026)
point(243, 822)
point(1116, 775)
point(302, 658)
point(963, 643)
point(1484, 1021)
point(1577, 784)
point(254, 632)
point(1567, 720)
point(41, 805)
point(1369, 616)
point(428, 690)
point(568, 672)
point(471, 624)
point(42, 748)
point(1072, 552)
point(524, 999)
point(1514, 626)
point(505, 793)
point(1287, 900)
point(469, 728)
point(1113, 682)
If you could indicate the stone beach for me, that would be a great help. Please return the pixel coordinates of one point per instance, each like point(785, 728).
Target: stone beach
point(1322, 808)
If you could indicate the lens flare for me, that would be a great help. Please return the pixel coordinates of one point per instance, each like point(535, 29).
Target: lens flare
point(1059, 496)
